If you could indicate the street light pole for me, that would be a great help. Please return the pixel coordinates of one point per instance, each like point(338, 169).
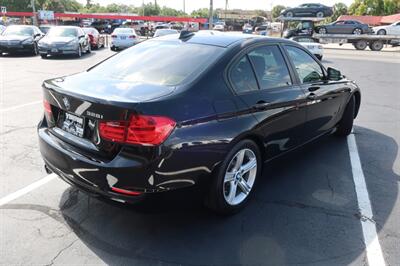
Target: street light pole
point(34, 20)
point(210, 16)
point(184, 6)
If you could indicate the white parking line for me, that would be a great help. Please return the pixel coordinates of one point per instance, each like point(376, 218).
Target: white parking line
point(26, 189)
point(18, 106)
point(371, 241)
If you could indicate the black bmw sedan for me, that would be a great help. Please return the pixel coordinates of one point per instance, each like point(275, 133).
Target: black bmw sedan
point(182, 110)
point(308, 10)
point(20, 38)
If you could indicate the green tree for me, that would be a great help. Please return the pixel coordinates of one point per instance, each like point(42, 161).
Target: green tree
point(338, 10)
point(276, 10)
point(54, 5)
point(200, 13)
point(167, 11)
point(374, 7)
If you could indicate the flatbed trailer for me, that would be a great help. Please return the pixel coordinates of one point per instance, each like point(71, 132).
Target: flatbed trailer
point(360, 41)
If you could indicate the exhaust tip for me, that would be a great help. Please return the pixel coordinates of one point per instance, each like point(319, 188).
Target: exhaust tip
point(48, 171)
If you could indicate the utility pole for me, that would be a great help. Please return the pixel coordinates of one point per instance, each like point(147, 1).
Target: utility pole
point(184, 6)
point(210, 16)
point(34, 19)
point(226, 9)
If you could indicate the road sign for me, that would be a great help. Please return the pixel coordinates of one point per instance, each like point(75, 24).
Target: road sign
point(3, 9)
point(46, 15)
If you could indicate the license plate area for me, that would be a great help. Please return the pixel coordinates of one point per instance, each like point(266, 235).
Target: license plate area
point(73, 124)
point(123, 37)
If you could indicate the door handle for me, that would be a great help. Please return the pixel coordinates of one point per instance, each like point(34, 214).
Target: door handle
point(261, 105)
point(311, 96)
point(313, 88)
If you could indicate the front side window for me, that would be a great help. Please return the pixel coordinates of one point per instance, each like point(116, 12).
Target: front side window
point(270, 67)
point(242, 76)
point(307, 68)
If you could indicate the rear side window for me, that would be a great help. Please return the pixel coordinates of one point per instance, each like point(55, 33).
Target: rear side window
point(307, 68)
point(242, 76)
point(270, 67)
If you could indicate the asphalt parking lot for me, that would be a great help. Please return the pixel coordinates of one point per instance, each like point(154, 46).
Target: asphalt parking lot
point(304, 210)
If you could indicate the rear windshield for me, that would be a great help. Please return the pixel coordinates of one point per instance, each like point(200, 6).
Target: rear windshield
point(123, 30)
point(159, 62)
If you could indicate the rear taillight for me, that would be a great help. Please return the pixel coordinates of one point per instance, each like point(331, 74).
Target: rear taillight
point(140, 129)
point(48, 112)
point(47, 107)
point(91, 37)
point(113, 36)
point(114, 131)
point(132, 37)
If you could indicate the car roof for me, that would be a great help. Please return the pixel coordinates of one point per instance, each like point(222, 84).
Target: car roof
point(216, 38)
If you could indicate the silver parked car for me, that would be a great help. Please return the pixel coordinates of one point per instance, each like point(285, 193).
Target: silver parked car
point(64, 40)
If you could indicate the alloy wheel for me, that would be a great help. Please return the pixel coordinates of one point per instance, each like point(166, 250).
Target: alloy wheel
point(289, 14)
point(320, 14)
point(240, 176)
point(322, 31)
point(357, 31)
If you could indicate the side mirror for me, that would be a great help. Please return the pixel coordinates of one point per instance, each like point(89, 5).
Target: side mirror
point(37, 35)
point(334, 74)
point(81, 36)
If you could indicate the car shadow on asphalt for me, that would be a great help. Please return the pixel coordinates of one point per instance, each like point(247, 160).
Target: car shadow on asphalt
point(304, 211)
point(71, 57)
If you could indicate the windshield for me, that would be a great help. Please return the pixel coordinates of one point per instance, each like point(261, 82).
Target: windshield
point(62, 32)
point(20, 31)
point(161, 63)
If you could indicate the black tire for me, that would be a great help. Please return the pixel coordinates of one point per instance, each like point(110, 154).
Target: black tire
point(79, 52)
point(215, 199)
point(35, 50)
point(360, 45)
point(376, 45)
point(89, 49)
point(289, 14)
point(381, 32)
point(322, 30)
point(43, 56)
point(346, 123)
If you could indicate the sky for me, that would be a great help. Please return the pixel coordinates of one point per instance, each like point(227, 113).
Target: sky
point(232, 4)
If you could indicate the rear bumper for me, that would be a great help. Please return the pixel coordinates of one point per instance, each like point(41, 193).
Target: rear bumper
point(125, 171)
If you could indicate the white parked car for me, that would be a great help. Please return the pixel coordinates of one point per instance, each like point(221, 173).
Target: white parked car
point(392, 29)
point(163, 32)
point(311, 44)
point(123, 38)
point(220, 26)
